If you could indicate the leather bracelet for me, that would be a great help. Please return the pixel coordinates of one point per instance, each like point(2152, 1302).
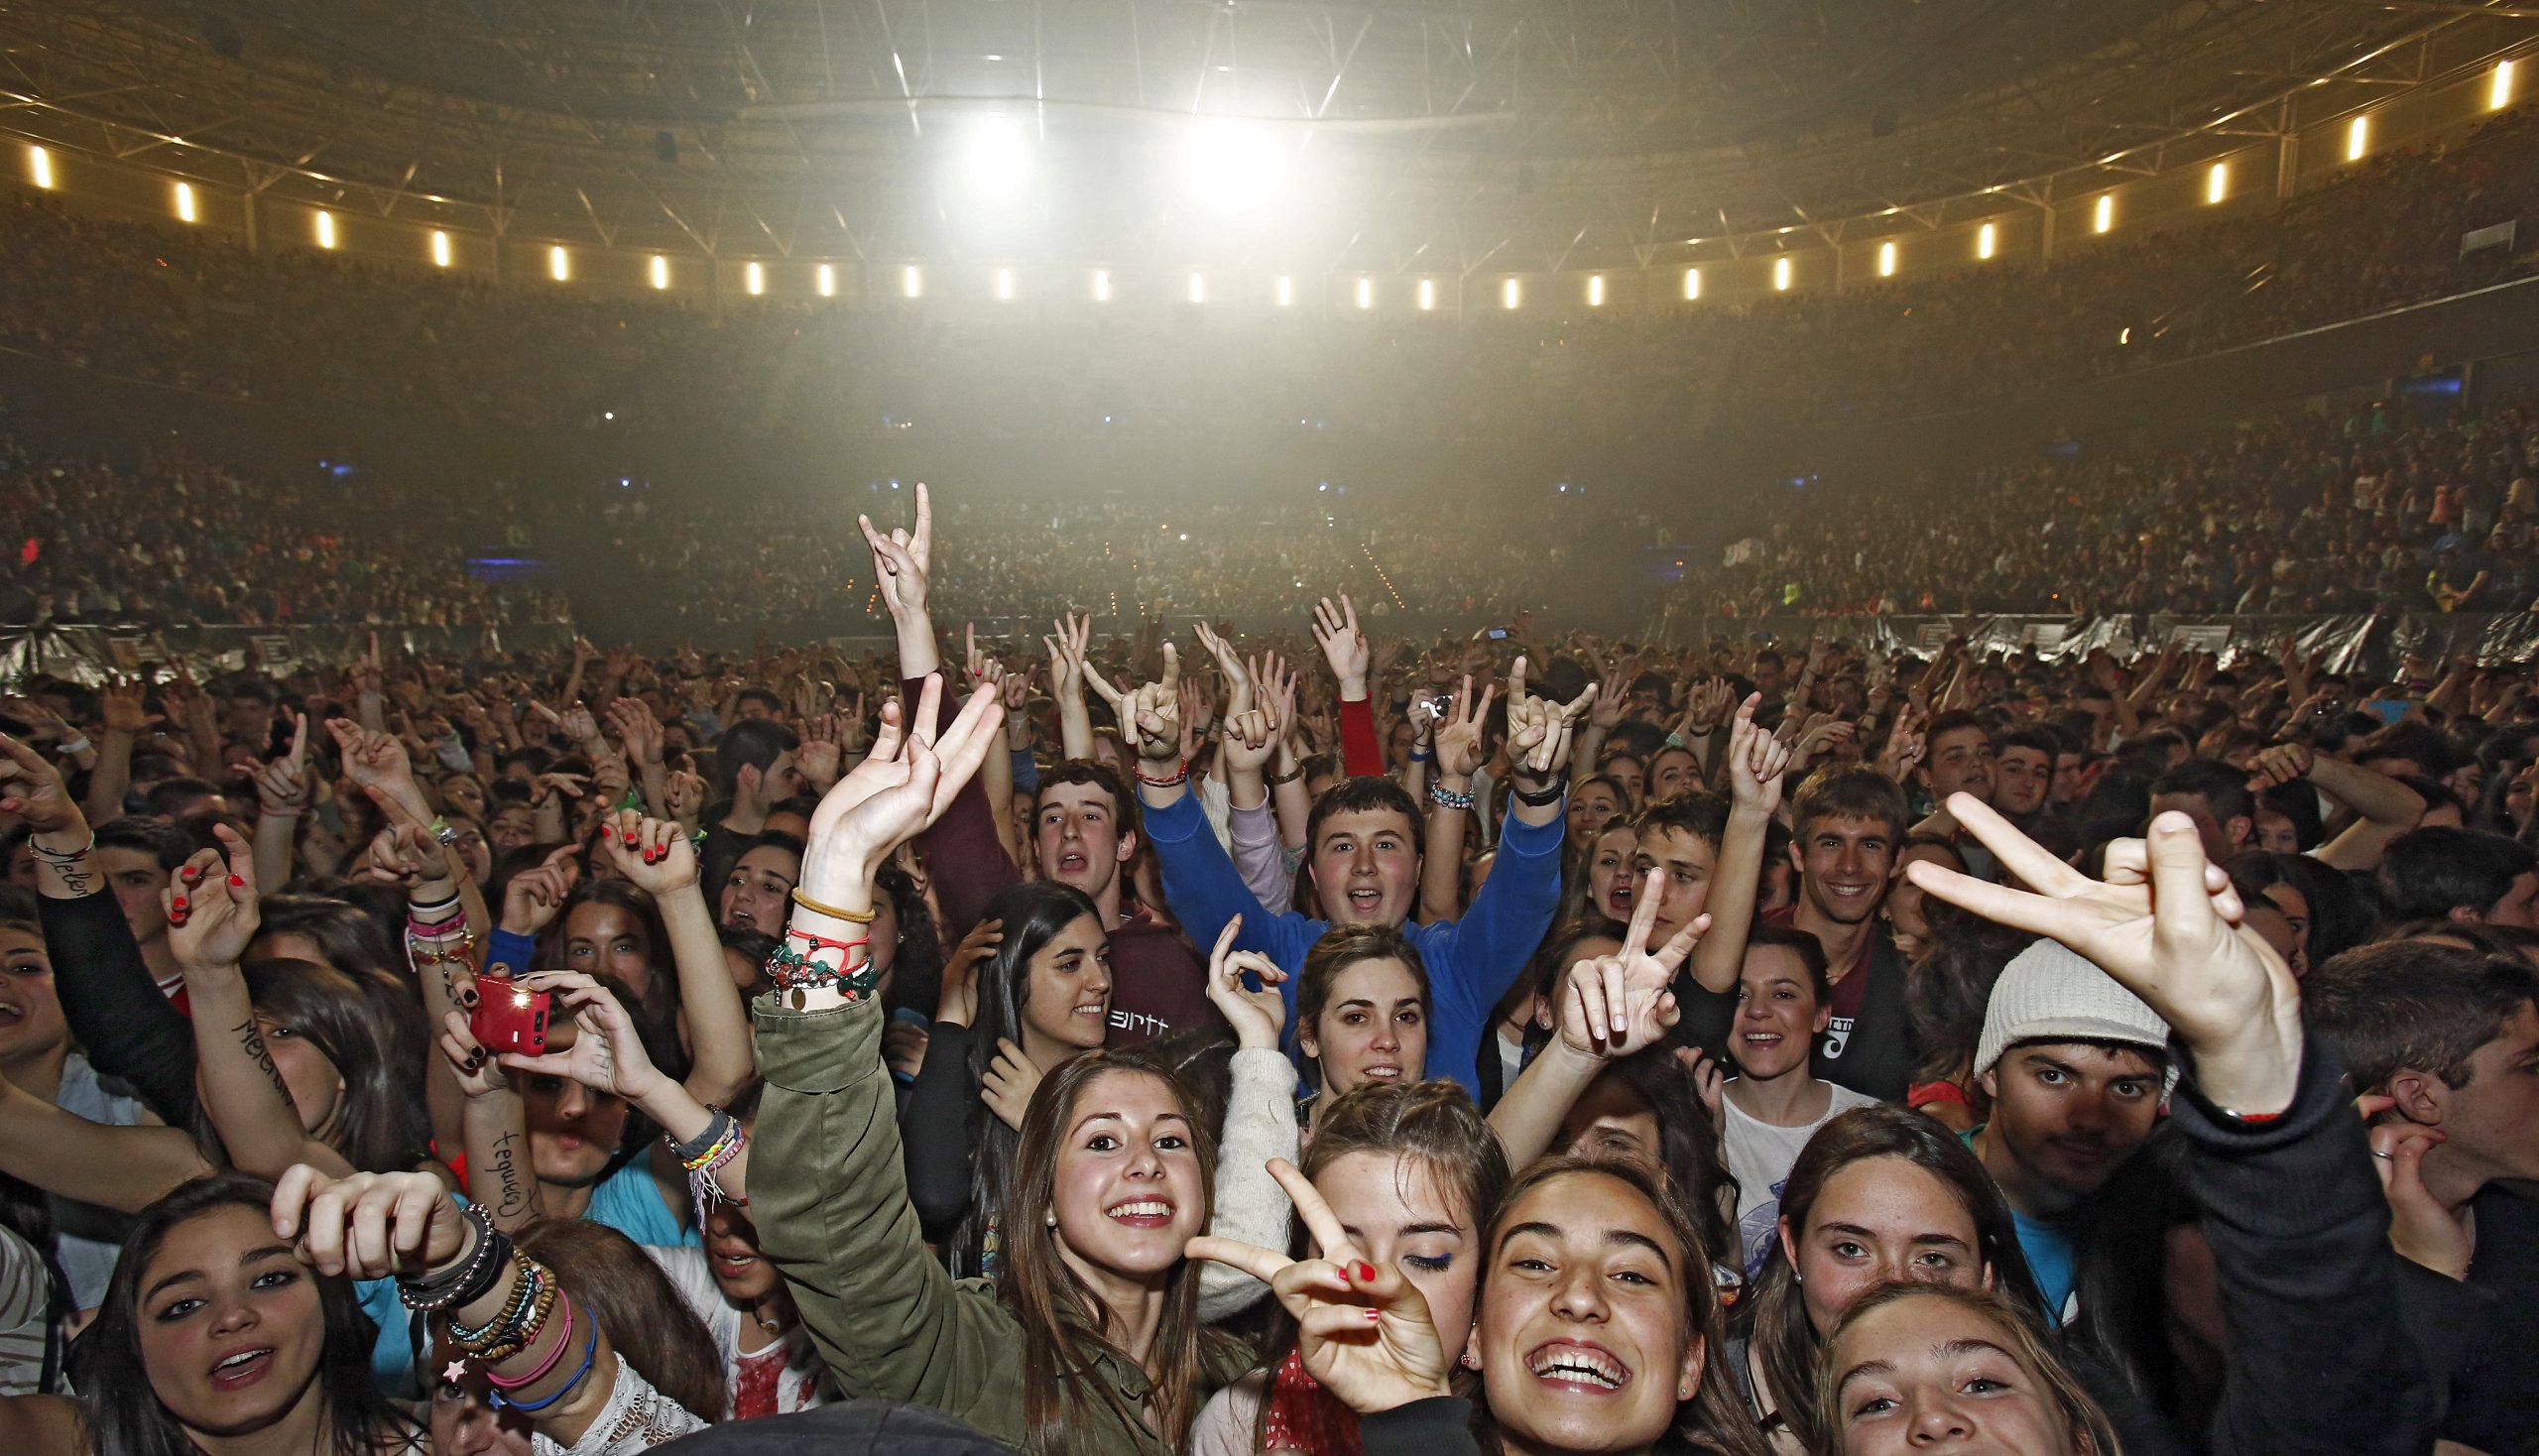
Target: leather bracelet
point(1290, 777)
point(1543, 798)
point(860, 917)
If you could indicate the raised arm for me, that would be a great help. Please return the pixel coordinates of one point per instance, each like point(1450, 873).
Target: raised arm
point(662, 861)
point(1756, 767)
point(901, 562)
point(282, 796)
point(1259, 1124)
point(1067, 683)
point(1459, 757)
point(108, 996)
point(1609, 1005)
point(212, 916)
point(2383, 808)
point(830, 1198)
point(547, 1358)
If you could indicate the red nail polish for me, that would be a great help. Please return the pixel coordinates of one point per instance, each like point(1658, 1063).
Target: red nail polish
point(1365, 1273)
point(237, 882)
point(1374, 1316)
point(181, 904)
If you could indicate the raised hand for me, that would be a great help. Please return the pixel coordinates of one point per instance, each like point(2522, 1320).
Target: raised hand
point(2281, 764)
point(608, 1055)
point(903, 560)
point(2165, 923)
point(1756, 761)
point(374, 760)
point(1344, 645)
point(369, 1225)
point(534, 896)
point(1904, 742)
point(656, 855)
point(638, 729)
point(119, 702)
point(1459, 747)
point(1258, 1016)
point(1151, 715)
point(281, 786)
point(957, 1003)
point(1238, 674)
point(1612, 702)
point(1007, 1086)
point(821, 753)
point(906, 784)
point(1539, 729)
point(32, 789)
point(1362, 1329)
point(1615, 1005)
point(210, 903)
point(1067, 676)
point(406, 852)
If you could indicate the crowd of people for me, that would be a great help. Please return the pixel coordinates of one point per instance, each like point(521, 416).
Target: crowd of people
point(1315, 1041)
point(174, 540)
point(2314, 513)
point(297, 326)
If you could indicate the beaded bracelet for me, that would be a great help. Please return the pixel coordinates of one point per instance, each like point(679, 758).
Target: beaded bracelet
point(563, 1342)
point(1180, 775)
point(1449, 798)
point(469, 1280)
point(590, 1352)
point(511, 1343)
point(796, 973)
point(522, 1295)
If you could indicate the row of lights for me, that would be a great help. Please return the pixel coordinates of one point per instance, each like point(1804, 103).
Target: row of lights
point(2217, 189)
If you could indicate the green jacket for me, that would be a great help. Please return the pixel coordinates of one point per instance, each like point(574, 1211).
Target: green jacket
point(830, 1200)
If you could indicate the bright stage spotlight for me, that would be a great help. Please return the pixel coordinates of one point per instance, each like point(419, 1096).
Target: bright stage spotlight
point(996, 159)
point(825, 280)
point(441, 247)
point(1233, 167)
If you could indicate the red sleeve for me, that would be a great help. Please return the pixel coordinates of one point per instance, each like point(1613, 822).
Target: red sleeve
point(967, 862)
point(1360, 756)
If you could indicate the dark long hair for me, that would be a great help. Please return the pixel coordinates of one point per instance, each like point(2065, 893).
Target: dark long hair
point(381, 1126)
point(1774, 1312)
point(1948, 990)
point(125, 1419)
point(655, 1015)
point(1063, 1323)
point(1713, 1422)
point(1687, 1142)
point(1032, 913)
point(916, 969)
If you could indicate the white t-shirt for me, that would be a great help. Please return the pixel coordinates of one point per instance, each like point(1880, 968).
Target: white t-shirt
point(799, 1379)
point(1760, 1155)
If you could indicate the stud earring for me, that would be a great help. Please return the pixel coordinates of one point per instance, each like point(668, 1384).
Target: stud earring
point(1050, 1218)
point(1471, 1361)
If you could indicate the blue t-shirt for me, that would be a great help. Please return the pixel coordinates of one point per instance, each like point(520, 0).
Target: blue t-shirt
point(629, 1201)
point(2052, 1254)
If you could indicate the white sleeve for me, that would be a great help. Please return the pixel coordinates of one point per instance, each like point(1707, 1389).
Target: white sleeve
point(1260, 1123)
point(1226, 1424)
point(635, 1418)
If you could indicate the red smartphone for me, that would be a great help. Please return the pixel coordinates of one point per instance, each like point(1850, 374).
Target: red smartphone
point(510, 1016)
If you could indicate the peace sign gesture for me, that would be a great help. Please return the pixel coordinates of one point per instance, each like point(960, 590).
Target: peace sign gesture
point(1362, 1329)
point(1615, 1005)
point(2165, 923)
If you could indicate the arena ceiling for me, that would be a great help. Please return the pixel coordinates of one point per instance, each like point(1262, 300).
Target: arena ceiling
point(1430, 133)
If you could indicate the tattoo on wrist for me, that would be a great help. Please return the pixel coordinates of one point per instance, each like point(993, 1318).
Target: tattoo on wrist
point(513, 1199)
point(252, 1042)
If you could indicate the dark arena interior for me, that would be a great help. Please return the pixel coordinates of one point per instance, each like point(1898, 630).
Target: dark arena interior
point(1204, 727)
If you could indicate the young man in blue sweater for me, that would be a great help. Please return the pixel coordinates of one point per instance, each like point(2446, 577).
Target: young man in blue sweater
point(1363, 860)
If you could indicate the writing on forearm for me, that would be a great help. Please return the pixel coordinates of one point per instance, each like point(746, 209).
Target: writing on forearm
point(513, 1195)
point(251, 1042)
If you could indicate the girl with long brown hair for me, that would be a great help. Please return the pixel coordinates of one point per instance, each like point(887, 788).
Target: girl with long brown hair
point(1090, 1340)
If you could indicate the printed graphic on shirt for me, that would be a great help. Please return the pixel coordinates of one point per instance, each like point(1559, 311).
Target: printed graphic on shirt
point(1759, 1228)
point(1838, 1034)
